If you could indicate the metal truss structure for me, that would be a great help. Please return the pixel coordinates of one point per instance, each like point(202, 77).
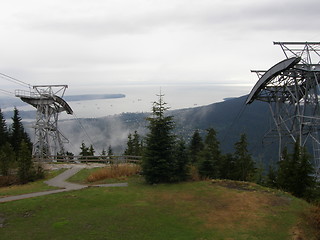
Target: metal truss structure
point(291, 88)
point(47, 99)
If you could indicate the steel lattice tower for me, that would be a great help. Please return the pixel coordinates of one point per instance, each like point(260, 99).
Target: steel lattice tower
point(47, 99)
point(291, 88)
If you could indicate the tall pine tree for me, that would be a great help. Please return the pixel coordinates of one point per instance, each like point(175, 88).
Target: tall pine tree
point(158, 163)
point(3, 130)
point(196, 146)
point(134, 145)
point(295, 173)
point(209, 165)
point(129, 149)
point(17, 133)
point(245, 166)
point(7, 158)
point(24, 163)
point(137, 144)
point(182, 167)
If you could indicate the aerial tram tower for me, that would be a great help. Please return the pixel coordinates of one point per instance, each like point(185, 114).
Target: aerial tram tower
point(291, 88)
point(49, 103)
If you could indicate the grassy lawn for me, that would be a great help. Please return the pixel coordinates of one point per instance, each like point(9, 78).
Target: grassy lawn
point(192, 210)
point(37, 186)
point(82, 175)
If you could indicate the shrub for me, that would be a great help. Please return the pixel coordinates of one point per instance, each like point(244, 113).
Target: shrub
point(194, 173)
point(114, 171)
point(8, 180)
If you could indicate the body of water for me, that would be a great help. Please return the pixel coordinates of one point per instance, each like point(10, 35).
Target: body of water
point(141, 98)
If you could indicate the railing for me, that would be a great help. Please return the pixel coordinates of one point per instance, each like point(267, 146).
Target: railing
point(91, 159)
point(27, 94)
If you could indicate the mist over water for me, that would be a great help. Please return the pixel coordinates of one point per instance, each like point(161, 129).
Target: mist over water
point(140, 99)
point(110, 131)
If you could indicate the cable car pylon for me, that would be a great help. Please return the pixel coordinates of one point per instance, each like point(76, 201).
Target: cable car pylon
point(49, 103)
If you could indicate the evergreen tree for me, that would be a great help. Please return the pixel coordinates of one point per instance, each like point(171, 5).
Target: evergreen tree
point(7, 157)
point(182, 167)
point(295, 173)
point(245, 166)
point(227, 167)
point(84, 150)
point(286, 171)
point(3, 130)
point(103, 153)
point(209, 165)
point(304, 176)
point(196, 146)
point(24, 163)
point(134, 145)
point(129, 149)
point(137, 144)
point(18, 134)
point(110, 152)
point(69, 155)
point(272, 177)
point(91, 151)
point(158, 158)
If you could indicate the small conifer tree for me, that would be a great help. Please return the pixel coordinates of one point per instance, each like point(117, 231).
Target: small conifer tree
point(295, 173)
point(25, 163)
point(158, 163)
point(182, 168)
point(3, 130)
point(7, 157)
point(196, 147)
point(129, 149)
point(209, 165)
point(245, 166)
point(17, 133)
point(110, 151)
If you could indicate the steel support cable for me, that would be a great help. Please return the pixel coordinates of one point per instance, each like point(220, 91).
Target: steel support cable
point(7, 92)
point(14, 80)
point(83, 128)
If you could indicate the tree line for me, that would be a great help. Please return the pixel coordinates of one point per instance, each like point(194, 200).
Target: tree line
point(16, 152)
point(167, 158)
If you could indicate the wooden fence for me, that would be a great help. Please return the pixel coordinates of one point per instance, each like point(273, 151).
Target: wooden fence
point(91, 159)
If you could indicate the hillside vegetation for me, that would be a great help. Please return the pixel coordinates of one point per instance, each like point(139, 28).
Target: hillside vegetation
point(191, 210)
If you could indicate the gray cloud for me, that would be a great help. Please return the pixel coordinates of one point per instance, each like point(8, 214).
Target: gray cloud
point(214, 15)
point(150, 42)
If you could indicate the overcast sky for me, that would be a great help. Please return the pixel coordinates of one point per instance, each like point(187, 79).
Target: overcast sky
point(91, 44)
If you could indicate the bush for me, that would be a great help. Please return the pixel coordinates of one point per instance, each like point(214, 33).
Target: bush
point(115, 171)
point(8, 180)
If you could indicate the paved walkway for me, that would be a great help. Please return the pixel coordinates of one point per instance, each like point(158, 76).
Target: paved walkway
point(60, 181)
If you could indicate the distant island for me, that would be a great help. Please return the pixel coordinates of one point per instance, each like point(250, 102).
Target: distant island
point(87, 97)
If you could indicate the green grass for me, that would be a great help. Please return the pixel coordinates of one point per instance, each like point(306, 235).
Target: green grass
point(194, 210)
point(82, 175)
point(37, 186)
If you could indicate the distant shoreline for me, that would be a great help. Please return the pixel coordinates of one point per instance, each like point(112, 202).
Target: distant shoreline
point(86, 97)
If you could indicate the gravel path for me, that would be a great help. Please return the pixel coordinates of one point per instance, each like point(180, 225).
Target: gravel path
point(60, 181)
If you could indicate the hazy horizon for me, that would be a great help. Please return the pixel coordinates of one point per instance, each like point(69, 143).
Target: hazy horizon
point(140, 99)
